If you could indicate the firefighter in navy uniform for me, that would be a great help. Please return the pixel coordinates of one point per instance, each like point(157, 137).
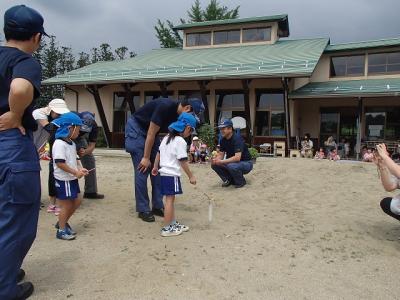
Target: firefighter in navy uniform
point(20, 76)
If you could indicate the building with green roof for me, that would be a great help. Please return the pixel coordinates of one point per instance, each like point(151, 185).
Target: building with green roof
point(284, 88)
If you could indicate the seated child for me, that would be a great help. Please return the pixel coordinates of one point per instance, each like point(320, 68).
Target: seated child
point(333, 155)
point(215, 152)
point(203, 153)
point(171, 157)
point(194, 150)
point(320, 154)
point(368, 156)
point(67, 172)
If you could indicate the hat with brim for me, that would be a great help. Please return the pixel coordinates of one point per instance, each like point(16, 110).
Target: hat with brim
point(225, 123)
point(184, 120)
point(21, 18)
point(58, 106)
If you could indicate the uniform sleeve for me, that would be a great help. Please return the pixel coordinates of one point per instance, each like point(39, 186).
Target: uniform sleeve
point(59, 154)
point(94, 134)
point(40, 114)
point(30, 70)
point(238, 145)
point(181, 149)
point(158, 116)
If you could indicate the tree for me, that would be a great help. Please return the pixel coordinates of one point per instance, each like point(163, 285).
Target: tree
point(95, 55)
point(169, 38)
point(66, 60)
point(83, 60)
point(105, 52)
point(121, 52)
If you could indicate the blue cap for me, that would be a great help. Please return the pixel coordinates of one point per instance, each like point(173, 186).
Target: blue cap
point(88, 121)
point(185, 119)
point(64, 122)
point(21, 18)
point(197, 105)
point(226, 123)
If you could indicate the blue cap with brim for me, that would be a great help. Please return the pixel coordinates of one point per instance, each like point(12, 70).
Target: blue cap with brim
point(88, 121)
point(64, 122)
point(225, 123)
point(185, 119)
point(21, 18)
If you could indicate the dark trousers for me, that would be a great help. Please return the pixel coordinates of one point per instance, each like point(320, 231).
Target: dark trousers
point(385, 205)
point(89, 163)
point(52, 181)
point(19, 205)
point(135, 138)
point(234, 172)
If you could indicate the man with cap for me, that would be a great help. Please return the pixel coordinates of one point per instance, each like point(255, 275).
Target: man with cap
point(20, 77)
point(46, 133)
point(238, 160)
point(86, 143)
point(142, 142)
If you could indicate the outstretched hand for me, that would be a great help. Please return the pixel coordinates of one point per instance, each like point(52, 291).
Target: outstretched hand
point(154, 171)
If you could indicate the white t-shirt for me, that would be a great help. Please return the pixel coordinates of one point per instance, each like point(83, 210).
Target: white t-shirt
point(67, 152)
point(171, 154)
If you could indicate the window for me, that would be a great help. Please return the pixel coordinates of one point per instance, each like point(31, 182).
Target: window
point(348, 65)
point(383, 63)
point(226, 37)
point(198, 39)
point(121, 110)
point(257, 34)
point(229, 105)
point(374, 125)
point(382, 123)
point(270, 114)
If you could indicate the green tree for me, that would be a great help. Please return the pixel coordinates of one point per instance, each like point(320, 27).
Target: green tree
point(105, 52)
point(83, 60)
point(95, 55)
point(169, 38)
point(66, 60)
point(121, 52)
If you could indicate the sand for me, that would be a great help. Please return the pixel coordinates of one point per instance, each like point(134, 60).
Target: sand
point(300, 229)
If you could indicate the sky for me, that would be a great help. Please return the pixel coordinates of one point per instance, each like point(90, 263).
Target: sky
point(86, 24)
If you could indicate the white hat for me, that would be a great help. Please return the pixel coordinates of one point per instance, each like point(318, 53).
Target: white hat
point(195, 138)
point(58, 106)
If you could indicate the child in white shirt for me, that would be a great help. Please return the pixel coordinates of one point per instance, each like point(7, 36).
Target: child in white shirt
point(171, 157)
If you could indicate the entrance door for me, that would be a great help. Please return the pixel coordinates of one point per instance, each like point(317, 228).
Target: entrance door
point(329, 126)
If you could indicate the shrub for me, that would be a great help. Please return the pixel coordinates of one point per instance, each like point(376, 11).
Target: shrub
point(206, 134)
point(253, 153)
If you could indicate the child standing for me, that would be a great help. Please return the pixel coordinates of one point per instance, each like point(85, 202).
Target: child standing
point(67, 172)
point(171, 157)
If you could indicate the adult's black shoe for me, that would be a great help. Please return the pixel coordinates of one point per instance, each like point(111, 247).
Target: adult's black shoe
point(21, 275)
point(158, 212)
point(226, 183)
point(25, 290)
point(238, 186)
point(93, 196)
point(147, 216)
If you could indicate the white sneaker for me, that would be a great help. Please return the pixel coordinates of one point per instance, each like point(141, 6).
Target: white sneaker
point(184, 228)
point(171, 231)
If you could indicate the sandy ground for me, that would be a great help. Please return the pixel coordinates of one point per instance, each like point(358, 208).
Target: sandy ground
point(300, 229)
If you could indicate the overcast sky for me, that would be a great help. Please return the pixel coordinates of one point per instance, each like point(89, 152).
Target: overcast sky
point(85, 24)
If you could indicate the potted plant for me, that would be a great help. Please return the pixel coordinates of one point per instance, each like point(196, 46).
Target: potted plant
point(254, 154)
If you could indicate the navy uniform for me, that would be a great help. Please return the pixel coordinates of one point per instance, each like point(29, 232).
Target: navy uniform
point(19, 161)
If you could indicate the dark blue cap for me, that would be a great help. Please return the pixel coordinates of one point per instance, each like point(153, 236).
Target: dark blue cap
point(21, 18)
point(225, 123)
point(88, 121)
point(197, 105)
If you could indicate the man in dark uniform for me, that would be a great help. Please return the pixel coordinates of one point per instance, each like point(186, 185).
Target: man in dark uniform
point(86, 143)
point(20, 77)
point(142, 142)
point(237, 160)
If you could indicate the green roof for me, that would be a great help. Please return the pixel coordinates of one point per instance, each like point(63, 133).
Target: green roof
point(289, 58)
point(349, 88)
point(363, 45)
point(232, 21)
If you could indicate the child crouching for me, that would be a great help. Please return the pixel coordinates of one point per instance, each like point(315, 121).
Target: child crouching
point(67, 172)
point(171, 157)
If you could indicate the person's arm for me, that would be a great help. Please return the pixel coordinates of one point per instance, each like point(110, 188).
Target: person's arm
point(77, 173)
point(150, 138)
point(386, 178)
point(185, 166)
point(89, 150)
point(236, 158)
point(41, 115)
point(154, 172)
point(387, 161)
point(19, 98)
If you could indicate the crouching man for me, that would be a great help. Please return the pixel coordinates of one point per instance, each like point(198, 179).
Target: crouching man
point(234, 160)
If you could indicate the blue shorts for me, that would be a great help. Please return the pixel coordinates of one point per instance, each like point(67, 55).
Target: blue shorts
point(170, 185)
point(67, 190)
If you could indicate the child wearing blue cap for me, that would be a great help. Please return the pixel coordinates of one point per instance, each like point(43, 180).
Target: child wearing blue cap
point(67, 171)
point(172, 156)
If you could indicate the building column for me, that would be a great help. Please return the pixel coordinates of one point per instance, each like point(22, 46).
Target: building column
point(142, 98)
point(359, 127)
point(253, 108)
point(246, 93)
point(212, 107)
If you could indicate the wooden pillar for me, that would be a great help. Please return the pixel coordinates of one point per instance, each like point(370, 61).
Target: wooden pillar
point(129, 95)
point(287, 112)
point(359, 127)
point(163, 88)
point(203, 93)
point(94, 90)
point(212, 107)
point(246, 92)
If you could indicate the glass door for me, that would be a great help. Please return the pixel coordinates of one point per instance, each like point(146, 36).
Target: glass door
point(329, 126)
